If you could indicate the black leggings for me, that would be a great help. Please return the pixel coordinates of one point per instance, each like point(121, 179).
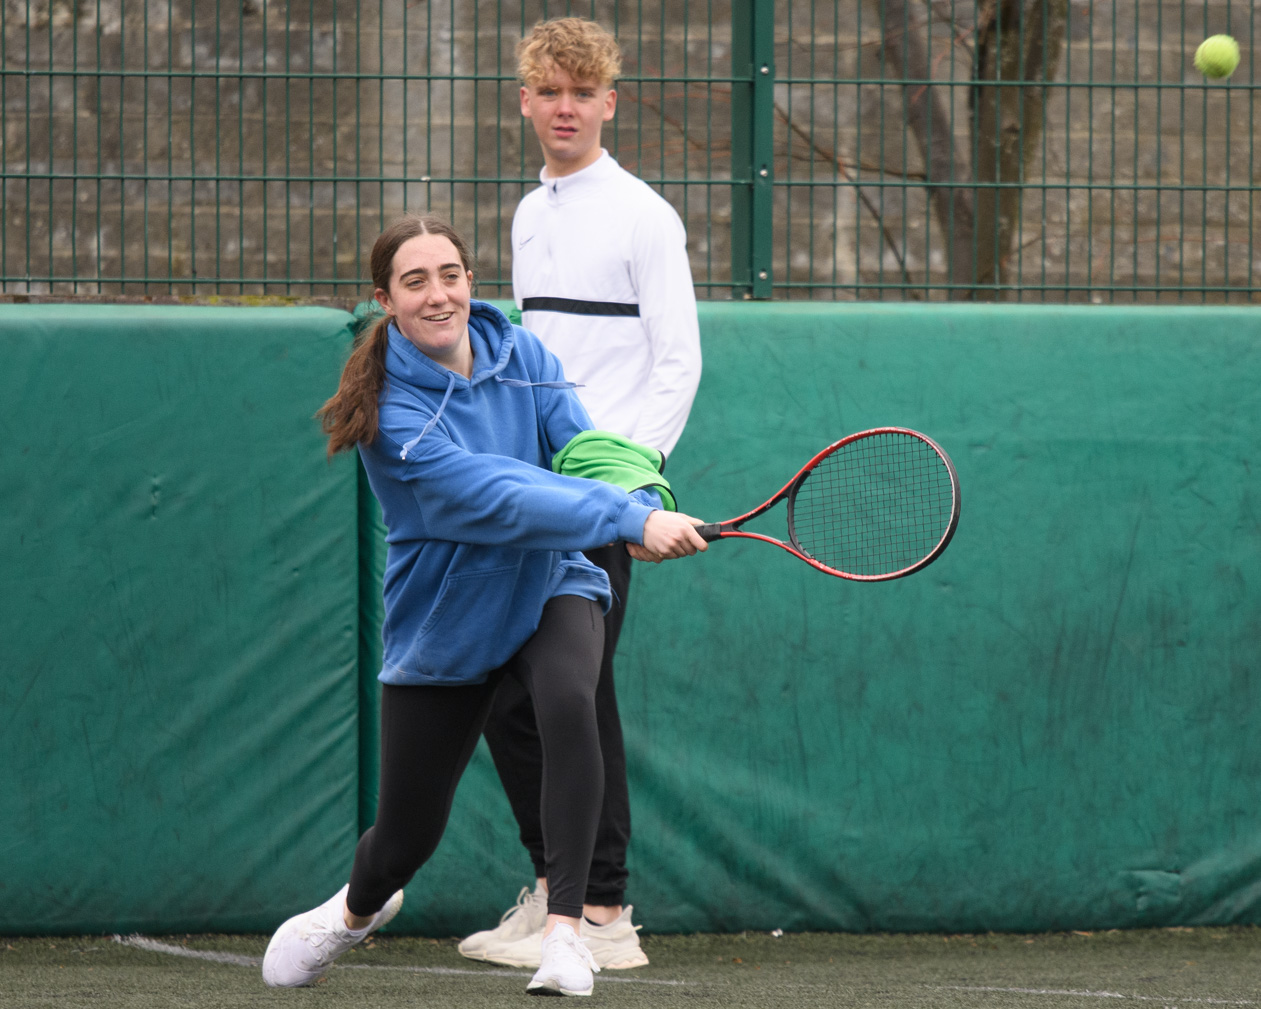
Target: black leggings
point(428, 734)
point(514, 745)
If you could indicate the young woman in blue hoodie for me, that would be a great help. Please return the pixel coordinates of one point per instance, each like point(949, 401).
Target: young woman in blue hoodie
point(457, 415)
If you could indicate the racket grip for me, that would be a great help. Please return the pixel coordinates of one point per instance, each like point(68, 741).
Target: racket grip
point(710, 532)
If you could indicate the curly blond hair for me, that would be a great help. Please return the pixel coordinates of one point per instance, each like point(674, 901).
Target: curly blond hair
point(581, 48)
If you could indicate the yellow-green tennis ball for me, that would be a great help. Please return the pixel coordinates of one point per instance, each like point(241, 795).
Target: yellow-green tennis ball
point(1217, 56)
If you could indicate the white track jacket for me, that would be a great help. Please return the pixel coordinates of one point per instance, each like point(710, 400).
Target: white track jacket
point(601, 275)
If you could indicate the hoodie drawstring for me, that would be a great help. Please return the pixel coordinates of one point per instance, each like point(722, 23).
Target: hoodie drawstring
point(515, 383)
point(520, 383)
point(432, 420)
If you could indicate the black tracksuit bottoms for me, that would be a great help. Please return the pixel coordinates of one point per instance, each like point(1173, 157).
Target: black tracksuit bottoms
point(428, 734)
point(518, 753)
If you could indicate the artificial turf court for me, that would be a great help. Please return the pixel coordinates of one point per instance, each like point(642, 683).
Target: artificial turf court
point(1153, 968)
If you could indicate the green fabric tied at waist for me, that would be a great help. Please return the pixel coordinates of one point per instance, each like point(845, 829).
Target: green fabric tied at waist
point(602, 455)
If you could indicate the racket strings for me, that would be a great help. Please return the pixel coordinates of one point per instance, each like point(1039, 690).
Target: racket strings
point(875, 506)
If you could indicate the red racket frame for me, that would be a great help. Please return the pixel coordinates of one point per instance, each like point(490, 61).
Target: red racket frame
point(730, 528)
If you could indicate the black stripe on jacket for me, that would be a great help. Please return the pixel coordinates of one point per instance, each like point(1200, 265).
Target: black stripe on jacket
point(570, 306)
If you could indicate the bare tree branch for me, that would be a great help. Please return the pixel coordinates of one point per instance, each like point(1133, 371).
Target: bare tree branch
point(1017, 40)
point(927, 113)
point(843, 168)
point(670, 120)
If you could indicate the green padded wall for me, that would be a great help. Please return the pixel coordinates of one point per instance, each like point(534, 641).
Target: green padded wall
point(1050, 727)
point(180, 622)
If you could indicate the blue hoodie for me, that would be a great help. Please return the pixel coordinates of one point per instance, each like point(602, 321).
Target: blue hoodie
point(481, 532)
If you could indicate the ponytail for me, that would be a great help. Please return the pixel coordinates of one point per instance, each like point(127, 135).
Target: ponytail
point(350, 416)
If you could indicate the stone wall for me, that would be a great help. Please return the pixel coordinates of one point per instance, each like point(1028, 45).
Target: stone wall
point(237, 148)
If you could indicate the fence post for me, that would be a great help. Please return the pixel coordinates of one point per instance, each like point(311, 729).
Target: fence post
point(752, 113)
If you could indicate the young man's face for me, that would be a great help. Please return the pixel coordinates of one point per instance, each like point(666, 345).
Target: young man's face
point(567, 117)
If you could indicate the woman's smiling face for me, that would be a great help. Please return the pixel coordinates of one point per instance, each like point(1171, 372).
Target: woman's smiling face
point(429, 293)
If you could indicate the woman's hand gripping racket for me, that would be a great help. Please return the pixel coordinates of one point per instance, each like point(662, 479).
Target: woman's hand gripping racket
point(877, 505)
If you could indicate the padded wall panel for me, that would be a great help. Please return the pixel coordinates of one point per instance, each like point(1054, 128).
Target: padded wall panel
point(1048, 728)
point(179, 630)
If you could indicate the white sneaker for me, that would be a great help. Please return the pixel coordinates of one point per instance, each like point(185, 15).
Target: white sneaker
point(566, 967)
point(524, 920)
point(303, 947)
point(615, 946)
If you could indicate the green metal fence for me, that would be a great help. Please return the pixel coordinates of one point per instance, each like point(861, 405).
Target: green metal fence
point(1060, 150)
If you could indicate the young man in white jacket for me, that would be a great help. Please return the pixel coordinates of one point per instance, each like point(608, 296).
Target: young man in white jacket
point(600, 273)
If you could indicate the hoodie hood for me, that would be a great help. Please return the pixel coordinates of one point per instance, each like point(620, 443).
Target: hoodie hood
point(492, 338)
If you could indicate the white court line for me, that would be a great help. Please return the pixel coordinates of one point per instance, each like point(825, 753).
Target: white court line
point(153, 946)
point(240, 960)
point(600, 979)
point(1166, 999)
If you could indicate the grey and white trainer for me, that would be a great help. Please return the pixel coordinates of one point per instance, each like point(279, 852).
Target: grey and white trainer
point(615, 946)
point(523, 921)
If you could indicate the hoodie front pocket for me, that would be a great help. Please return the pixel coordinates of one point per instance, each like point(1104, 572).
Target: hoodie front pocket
point(463, 638)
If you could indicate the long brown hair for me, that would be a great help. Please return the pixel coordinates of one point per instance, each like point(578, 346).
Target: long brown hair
point(350, 416)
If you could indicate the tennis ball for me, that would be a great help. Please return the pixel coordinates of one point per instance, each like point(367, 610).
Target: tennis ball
point(1217, 56)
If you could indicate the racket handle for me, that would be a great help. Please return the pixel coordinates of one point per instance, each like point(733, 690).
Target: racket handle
point(710, 532)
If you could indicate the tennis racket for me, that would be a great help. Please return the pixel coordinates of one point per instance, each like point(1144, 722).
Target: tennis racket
point(878, 505)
